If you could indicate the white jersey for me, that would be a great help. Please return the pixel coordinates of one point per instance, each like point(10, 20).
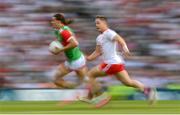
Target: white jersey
point(109, 47)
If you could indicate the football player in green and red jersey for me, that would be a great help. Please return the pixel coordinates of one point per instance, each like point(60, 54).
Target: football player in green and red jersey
point(75, 59)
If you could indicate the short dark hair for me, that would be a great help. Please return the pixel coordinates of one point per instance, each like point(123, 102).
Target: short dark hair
point(61, 18)
point(101, 17)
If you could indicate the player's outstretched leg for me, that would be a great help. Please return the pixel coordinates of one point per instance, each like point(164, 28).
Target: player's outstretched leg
point(61, 71)
point(150, 93)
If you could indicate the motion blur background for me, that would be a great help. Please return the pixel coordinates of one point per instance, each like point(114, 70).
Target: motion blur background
point(151, 29)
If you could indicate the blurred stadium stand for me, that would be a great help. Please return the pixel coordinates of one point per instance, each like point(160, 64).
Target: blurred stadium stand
point(150, 27)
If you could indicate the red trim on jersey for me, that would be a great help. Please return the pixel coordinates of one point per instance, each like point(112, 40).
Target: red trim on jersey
point(66, 35)
point(111, 68)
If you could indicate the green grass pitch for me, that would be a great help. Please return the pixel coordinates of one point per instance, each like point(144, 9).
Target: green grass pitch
point(117, 107)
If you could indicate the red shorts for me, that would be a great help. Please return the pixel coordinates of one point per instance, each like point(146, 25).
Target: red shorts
point(111, 68)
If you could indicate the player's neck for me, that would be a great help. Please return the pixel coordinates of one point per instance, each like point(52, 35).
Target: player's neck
point(104, 29)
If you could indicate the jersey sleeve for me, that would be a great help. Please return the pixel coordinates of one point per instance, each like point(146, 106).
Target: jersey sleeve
point(111, 34)
point(66, 35)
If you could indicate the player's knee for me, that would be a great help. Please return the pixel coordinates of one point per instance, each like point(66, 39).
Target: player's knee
point(58, 82)
point(59, 74)
point(58, 77)
point(55, 82)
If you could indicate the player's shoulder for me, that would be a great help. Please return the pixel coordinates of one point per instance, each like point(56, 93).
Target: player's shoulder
point(111, 31)
point(65, 28)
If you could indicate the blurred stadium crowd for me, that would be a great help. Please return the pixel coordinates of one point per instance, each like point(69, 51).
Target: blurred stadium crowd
point(150, 27)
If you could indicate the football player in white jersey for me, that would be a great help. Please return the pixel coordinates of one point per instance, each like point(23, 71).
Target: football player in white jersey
point(112, 64)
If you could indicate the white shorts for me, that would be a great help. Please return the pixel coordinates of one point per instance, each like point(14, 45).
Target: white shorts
point(76, 64)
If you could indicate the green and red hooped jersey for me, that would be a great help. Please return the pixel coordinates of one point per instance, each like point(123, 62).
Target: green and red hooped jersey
point(64, 35)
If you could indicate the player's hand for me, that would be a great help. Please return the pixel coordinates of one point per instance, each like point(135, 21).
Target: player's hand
point(55, 53)
point(127, 54)
point(87, 57)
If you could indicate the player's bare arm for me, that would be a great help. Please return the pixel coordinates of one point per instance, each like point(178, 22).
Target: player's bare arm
point(95, 54)
point(72, 44)
point(123, 44)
